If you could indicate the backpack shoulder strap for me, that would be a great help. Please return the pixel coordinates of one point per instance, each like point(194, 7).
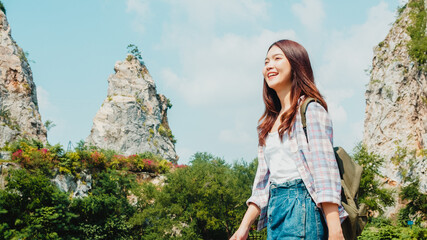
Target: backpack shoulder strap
point(303, 109)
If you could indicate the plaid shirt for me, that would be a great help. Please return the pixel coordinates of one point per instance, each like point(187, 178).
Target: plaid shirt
point(315, 161)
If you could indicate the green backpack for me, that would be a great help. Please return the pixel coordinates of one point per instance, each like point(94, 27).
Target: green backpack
point(351, 174)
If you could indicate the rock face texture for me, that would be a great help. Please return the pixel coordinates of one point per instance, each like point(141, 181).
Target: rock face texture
point(19, 112)
point(79, 187)
point(396, 104)
point(133, 117)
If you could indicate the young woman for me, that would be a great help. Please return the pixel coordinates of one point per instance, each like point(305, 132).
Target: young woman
point(297, 188)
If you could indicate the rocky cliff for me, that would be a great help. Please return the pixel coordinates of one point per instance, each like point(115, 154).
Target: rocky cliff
point(19, 113)
point(133, 117)
point(396, 98)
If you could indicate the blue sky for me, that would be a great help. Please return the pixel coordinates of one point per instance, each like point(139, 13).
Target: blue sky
point(206, 56)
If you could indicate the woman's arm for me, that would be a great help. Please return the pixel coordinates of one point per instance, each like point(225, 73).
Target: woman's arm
point(324, 167)
point(321, 157)
point(333, 220)
point(260, 189)
point(251, 214)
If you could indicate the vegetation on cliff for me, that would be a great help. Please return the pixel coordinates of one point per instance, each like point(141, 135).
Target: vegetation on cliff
point(205, 200)
point(417, 31)
point(2, 7)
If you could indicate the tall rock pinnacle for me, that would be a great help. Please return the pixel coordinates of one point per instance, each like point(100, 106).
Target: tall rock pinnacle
point(396, 98)
point(19, 112)
point(133, 117)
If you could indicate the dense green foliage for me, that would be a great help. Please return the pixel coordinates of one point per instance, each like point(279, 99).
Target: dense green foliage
point(416, 206)
point(370, 191)
point(105, 212)
point(203, 201)
point(2, 7)
point(31, 207)
point(383, 229)
point(418, 44)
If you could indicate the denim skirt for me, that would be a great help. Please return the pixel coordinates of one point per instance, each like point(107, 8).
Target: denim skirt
point(292, 214)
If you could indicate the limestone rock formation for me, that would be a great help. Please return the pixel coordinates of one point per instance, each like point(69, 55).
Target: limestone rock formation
point(19, 113)
point(396, 103)
point(79, 187)
point(133, 117)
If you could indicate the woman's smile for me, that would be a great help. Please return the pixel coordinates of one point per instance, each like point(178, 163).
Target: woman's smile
point(271, 75)
point(277, 69)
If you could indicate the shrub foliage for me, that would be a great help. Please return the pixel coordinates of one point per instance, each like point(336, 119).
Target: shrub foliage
point(204, 200)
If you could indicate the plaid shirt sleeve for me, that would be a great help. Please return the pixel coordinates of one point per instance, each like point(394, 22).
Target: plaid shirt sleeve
point(322, 163)
point(260, 189)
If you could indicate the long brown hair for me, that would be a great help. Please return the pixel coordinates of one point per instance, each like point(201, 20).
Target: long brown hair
point(302, 81)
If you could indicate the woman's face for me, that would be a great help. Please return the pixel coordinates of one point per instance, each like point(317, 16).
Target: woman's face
point(277, 69)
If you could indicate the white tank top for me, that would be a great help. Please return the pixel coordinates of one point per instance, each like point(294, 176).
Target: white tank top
point(279, 160)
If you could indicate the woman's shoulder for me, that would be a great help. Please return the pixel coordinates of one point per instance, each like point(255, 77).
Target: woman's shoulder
point(316, 112)
point(316, 107)
point(313, 106)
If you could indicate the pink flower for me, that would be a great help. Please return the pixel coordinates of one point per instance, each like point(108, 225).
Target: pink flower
point(17, 154)
point(180, 166)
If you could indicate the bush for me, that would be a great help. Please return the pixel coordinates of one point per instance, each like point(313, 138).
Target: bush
point(204, 200)
point(2, 7)
point(31, 207)
point(32, 154)
point(392, 232)
point(418, 44)
point(105, 212)
point(370, 191)
point(416, 207)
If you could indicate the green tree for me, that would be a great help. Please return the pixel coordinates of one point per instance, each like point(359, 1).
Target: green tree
point(416, 203)
point(133, 49)
point(32, 207)
point(2, 7)
point(49, 125)
point(371, 191)
point(205, 200)
point(105, 212)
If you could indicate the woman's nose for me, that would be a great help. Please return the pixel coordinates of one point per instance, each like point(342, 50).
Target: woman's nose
point(268, 66)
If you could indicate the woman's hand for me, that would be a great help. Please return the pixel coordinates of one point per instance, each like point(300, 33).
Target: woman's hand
point(251, 214)
point(241, 234)
point(333, 221)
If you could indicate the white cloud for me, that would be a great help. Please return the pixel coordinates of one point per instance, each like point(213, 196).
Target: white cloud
point(142, 10)
point(341, 76)
point(337, 112)
point(310, 13)
point(349, 53)
point(226, 69)
point(209, 13)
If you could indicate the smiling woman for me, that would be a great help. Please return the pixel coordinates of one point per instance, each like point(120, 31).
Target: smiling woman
point(297, 177)
point(275, 63)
